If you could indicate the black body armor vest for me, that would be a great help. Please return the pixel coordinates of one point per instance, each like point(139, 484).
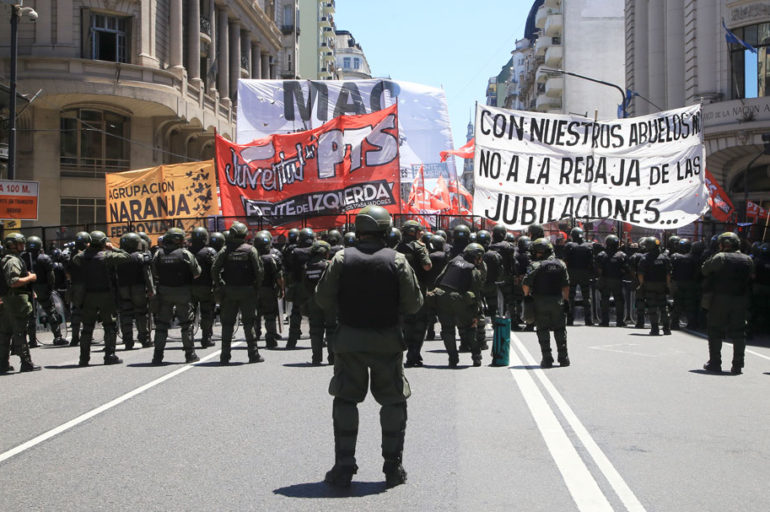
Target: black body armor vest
point(238, 269)
point(458, 276)
point(368, 292)
point(172, 269)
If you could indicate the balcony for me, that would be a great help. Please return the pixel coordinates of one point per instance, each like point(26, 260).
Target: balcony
point(289, 29)
point(541, 45)
point(554, 24)
point(554, 56)
point(541, 75)
point(545, 103)
point(326, 21)
point(554, 87)
point(553, 4)
point(328, 7)
point(541, 15)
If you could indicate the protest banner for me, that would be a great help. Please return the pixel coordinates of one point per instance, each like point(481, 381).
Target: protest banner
point(539, 168)
point(267, 107)
point(158, 198)
point(18, 199)
point(721, 206)
point(338, 168)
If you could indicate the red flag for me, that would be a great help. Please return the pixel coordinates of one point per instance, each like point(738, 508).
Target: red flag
point(441, 191)
point(721, 206)
point(418, 197)
point(436, 203)
point(754, 211)
point(456, 188)
point(465, 151)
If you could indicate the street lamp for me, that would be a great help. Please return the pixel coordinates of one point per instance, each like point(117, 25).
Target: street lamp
point(620, 89)
point(17, 12)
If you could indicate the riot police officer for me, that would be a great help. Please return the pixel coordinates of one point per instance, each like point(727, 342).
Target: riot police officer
point(612, 267)
point(216, 241)
point(175, 268)
point(633, 263)
point(579, 257)
point(334, 239)
point(416, 325)
point(320, 320)
point(438, 260)
point(43, 288)
point(349, 239)
point(654, 277)
point(237, 273)
point(271, 289)
point(547, 287)
point(369, 286)
point(685, 284)
point(507, 275)
point(202, 288)
point(760, 297)
point(76, 286)
point(96, 266)
point(458, 294)
point(394, 237)
point(461, 236)
point(15, 291)
point(522, 261)
point(299, 296)
point(135, 287)
point(729, 274)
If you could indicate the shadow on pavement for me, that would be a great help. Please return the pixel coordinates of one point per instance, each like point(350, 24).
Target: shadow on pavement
point(217, 364)
point(148, 364)
point(713, 374)
point(529, 367)
point(321, 490)
point(65, 366)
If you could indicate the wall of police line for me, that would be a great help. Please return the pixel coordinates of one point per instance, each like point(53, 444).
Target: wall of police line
point(537, 168)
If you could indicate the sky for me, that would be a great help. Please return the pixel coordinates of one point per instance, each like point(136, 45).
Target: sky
point(452, 44)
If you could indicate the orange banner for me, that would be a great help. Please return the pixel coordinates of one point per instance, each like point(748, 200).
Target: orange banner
point(158, 198)
point(18, 199)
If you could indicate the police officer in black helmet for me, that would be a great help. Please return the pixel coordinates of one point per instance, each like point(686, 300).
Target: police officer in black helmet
point(135, 287)
point(43, 267)
point(369, 285)
point(202, 288)
point(296, 263)
point(415, 326)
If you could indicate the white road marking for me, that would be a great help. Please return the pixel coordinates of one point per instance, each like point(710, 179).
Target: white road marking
point(581, 485)
point(102, 408)
point(626, 495)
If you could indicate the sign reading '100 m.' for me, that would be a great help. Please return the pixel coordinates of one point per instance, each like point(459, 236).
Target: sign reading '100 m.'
point(18, 199)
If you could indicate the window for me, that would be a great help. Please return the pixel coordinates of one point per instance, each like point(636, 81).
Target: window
point(346, 62)
point(356, 63)
point(108, 36)
point(750, 72)
point(288, 11)
point(82, 210)
point(93, 142)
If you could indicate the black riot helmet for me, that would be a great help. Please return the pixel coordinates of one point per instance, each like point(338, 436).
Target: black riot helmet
point(216, 241)
point(612, 243)
point(321, 248)
point(82, 240)
point(510, 238)
point(199, 237)
point(441, 233)
point(373, 220)
point(173, 239)
point(263, 241)
point(437, 242)
point(484, 238)
point(535, 231)
point(729, 242)
point(306, 237)
point(698, 248)
point(130, 242)
point(461, 235)
point(98, 239)
point(685, 246)
point(499, 232)
point(523, 243)
point(393, 237)
point(292, 236)
point(473, 253)
point(411, 230)
point(334, 237)
point(12, 242)
point(238, 231)
point(673, 244)
point(651, 244)
point(34, 244)
point(349, 239)
point(576, 235)
point(542, 248)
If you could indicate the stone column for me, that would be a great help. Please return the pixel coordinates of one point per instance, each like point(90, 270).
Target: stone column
point(246, 42)
point(146, 43)
point(256, 61)
point(641, 40)
point(235, 58)
point(194, 42)
point(656, 52)
point(708, 48)
point(175, 37)
point(674, 53)
point(223, 55)
point(266, 65)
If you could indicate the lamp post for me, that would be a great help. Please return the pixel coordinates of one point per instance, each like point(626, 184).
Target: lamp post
point(17, 11)
point(620, 89)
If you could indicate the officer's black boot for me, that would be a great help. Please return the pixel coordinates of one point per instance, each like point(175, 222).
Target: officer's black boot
point(160, 345)
point(227, 340)
point(562, 354)
point(58, 339)
point(206, 340)
point(110, 342)
point(393, 425)
point(654, 330)
point(639, 321)
point(448, 336)
point(85, 348)
point(5, 354)
point(128, 340)
point(251, 344)
point(345, 418)
point(189, 345)
point(26, 360)
point(547, 356)
point(75, 341)
point(714, 364)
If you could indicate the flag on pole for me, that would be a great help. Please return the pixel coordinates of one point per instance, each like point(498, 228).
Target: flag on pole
point(732, 38)
point(442, 191)
point(465, 151)
point(721, 206)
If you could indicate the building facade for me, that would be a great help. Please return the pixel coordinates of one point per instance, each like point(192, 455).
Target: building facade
point(128, 85)
point(351, 62)
point(317, 41)
point(677, 55)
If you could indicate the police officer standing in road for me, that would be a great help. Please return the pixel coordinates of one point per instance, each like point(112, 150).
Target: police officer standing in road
point(202, 288)
point(299, 295)
point(77, 285)
point(415, 325)
point(135, 288)
point(16, 307)
point(175, 269)
point(546, 286)
point(96, 265)
point(458, 295)
point(654, 283)
point(729, 274)
point(320, 320)
point(270, 291)
point(237, 273)
point(43, 268)
point(612, 267)
point(579, 257)
point(685, 284)
point(369, 286)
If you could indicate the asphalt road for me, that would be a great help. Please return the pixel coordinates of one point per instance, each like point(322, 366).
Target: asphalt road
point(632, 424)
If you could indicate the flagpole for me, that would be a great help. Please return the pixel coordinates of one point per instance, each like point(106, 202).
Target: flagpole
point(400, 190)
point(767, 221)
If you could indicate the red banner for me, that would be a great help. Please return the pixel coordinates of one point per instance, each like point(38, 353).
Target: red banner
point(721, 206)
point(755, 212)
point(317, 175)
